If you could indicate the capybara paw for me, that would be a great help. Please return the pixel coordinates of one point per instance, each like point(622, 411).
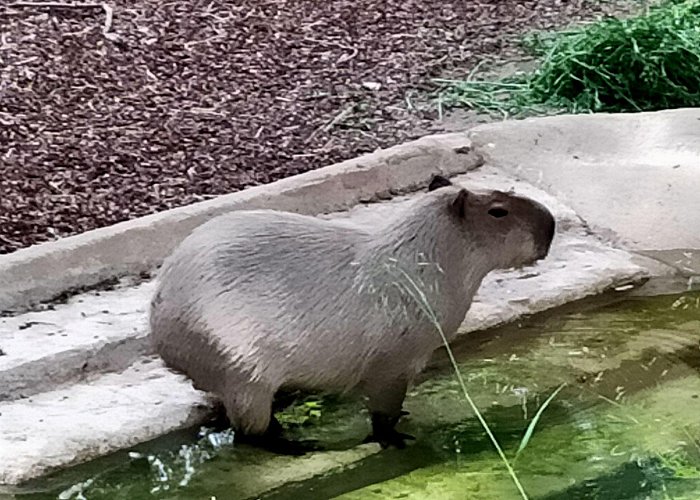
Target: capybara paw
point(275, 429)
point(291, 448)
point(390, 438)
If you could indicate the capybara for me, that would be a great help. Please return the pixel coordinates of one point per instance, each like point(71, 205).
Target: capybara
point(259, 301)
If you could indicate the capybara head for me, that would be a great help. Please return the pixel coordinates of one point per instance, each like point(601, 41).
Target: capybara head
point(517, 231)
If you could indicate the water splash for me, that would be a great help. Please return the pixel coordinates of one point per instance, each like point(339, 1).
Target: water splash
point(168, 470)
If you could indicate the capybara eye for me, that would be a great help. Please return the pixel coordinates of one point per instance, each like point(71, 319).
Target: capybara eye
point(498, 212)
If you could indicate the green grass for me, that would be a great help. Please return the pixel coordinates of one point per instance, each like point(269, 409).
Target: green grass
point(302, 413)
point(644, 63)
point(406, 283)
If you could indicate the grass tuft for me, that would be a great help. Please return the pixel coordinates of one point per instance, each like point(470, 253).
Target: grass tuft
point(644, 63)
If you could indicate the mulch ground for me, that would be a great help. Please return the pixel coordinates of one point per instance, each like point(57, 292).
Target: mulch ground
point(179, 101)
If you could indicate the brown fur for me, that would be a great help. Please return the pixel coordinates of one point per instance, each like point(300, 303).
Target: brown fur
point(257, 301)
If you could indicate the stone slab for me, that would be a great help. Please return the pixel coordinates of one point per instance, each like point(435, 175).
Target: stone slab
point(635, 176)
point(50, 430)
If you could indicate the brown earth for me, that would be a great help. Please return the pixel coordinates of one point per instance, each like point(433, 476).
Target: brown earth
point(184, 100)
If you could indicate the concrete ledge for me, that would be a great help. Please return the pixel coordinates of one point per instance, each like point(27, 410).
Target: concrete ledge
point(92, 332)
point(45, 432)
point(42, 272)
point(632, 176)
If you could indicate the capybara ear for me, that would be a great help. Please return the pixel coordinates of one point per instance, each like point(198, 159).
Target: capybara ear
point(438, 181)
point(459, 205)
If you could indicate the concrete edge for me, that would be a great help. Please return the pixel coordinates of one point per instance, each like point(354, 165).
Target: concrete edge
point(42, 272)
point(77, 365)
point(169, 412)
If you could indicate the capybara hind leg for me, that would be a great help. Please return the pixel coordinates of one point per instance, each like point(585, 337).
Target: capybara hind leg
point(385, 401)
point(250, 414)
point(249, 410)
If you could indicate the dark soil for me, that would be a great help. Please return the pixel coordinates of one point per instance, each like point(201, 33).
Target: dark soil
point(184, 100)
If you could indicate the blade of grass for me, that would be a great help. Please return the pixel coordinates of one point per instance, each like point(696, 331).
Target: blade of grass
point(417, 294)
point(533, 423)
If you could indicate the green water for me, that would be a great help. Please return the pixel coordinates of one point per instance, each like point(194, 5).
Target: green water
point(625, 426)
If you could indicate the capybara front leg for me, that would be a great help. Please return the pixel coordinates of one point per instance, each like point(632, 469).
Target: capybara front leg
point(385, 400)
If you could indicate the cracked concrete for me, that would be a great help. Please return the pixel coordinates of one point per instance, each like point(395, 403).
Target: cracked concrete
point(66, 364)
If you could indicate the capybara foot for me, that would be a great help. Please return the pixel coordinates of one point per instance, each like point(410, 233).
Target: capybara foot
point(390, 438)
point(294, 448)
point(273, 440)
point(384, 433)
point(280, 445)
point(275, 429)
